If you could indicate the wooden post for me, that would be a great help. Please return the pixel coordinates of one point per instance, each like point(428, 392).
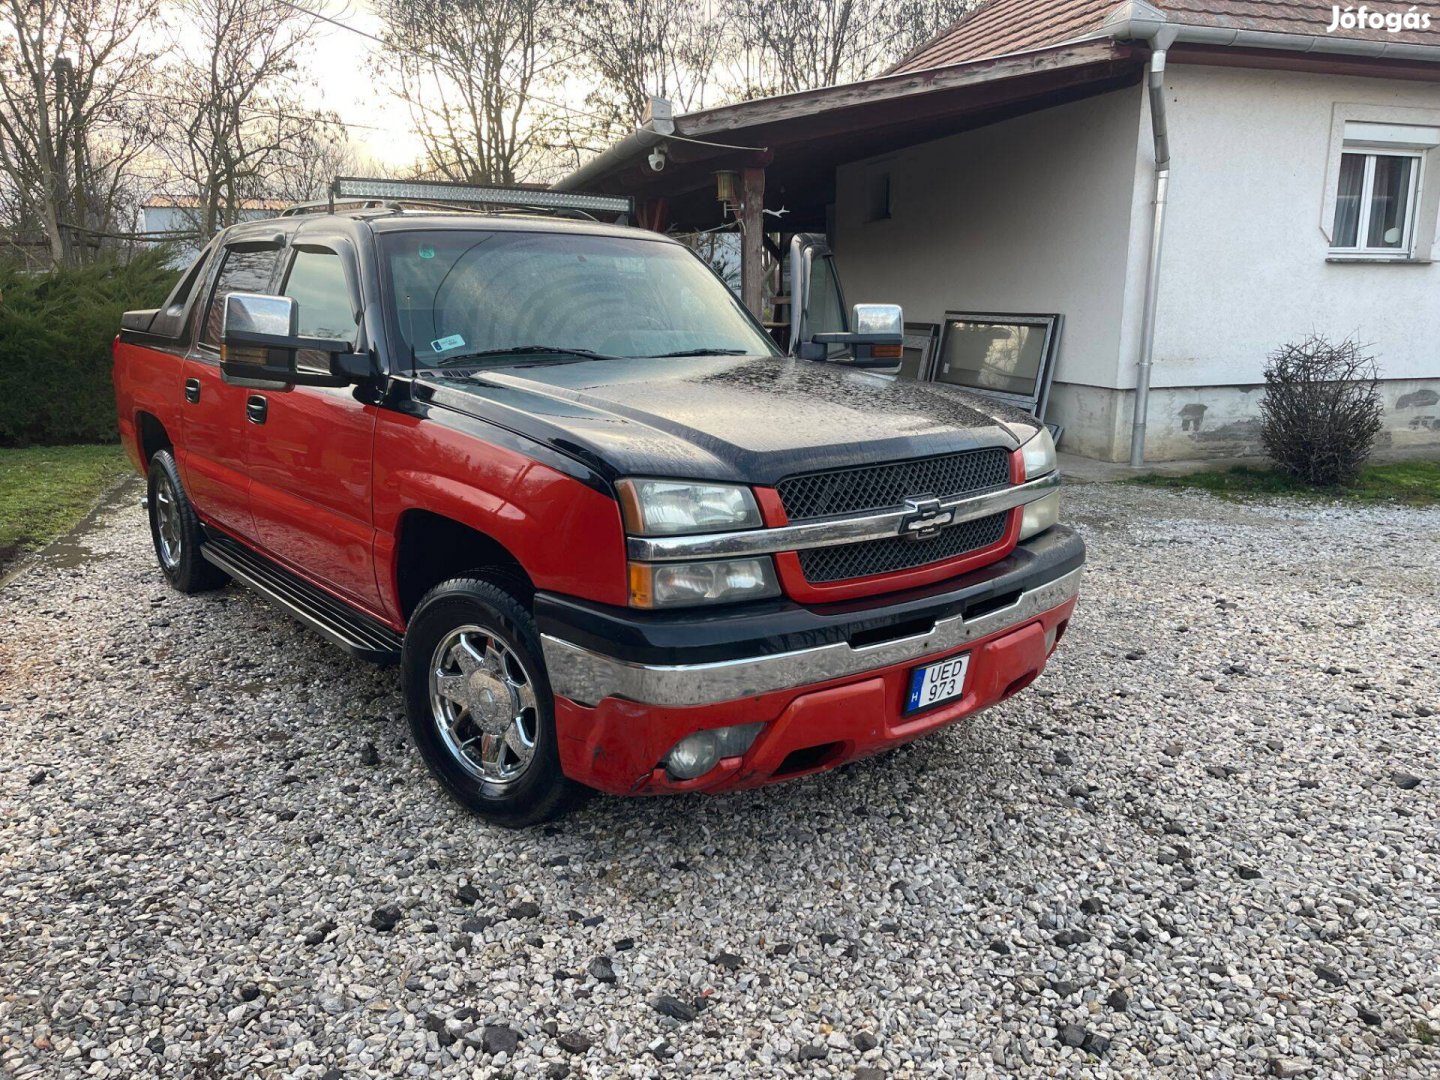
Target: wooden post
point(752, 243)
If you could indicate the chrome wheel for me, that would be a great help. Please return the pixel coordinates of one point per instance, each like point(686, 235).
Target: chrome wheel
point(167, 523)
point(483, 704)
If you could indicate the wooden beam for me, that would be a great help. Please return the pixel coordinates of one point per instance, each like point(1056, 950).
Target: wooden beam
point(752, 243)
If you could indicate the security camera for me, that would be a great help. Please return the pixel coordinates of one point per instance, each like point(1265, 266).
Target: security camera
point(657, 158)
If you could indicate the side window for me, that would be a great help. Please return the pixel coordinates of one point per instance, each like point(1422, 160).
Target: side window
point(242, 271)
point(316, 283)
point(1374, 207)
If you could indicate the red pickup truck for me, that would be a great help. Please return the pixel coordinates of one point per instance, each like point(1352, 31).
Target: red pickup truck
point(612, 534)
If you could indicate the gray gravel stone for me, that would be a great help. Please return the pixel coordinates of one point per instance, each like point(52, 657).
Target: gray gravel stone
point(207, 824)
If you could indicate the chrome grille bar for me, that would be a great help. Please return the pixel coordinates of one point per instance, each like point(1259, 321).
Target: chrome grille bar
point(823, 532)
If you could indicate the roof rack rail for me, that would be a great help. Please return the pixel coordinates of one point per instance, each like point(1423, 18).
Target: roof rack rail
point(328, 206)
point(444, 193)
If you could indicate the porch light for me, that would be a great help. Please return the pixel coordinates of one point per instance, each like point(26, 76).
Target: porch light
point(727, 186)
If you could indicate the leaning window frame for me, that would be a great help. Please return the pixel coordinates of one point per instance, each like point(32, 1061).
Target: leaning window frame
point(1362, 248)
point(1035, 402)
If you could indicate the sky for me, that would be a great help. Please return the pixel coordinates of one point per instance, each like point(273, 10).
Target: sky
point(338, 63)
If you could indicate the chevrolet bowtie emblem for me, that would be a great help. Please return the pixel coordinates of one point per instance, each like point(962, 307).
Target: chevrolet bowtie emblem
point(925, 518)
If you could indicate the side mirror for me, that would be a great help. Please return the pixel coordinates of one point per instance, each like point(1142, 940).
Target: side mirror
point(878, 340)
point(259, 346)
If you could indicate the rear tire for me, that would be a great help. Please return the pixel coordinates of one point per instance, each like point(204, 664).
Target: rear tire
point(175, 530)
point(479, 703)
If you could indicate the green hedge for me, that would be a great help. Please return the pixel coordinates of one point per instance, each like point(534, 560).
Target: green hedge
point(55, 334)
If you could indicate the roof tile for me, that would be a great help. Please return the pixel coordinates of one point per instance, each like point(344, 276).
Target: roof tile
point(999, 27)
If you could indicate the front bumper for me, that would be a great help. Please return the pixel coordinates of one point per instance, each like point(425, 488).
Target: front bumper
point(629, 685)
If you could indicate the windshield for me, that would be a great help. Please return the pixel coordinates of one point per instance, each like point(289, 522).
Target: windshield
point(485, 296)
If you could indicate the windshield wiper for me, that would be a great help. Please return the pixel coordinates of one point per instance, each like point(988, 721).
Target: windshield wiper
point(694, 352)
point(517, 350)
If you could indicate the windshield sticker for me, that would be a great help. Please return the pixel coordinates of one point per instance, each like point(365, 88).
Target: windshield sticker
point(445, 344)
point(427, 252)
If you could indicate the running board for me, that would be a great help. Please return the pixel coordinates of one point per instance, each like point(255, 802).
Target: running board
point(356, 633)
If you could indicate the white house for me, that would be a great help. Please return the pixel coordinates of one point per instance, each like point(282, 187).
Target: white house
point(1011, 167)
point(172, 219)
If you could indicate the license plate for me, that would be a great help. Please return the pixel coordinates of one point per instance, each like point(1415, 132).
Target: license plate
point(937, 683)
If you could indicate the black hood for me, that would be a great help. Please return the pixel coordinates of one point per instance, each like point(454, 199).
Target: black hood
point(753, 419)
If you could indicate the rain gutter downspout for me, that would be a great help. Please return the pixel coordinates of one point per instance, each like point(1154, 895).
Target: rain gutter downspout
point(1160, 133)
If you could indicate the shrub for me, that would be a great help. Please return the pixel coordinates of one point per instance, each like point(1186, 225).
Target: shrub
point(55, 334)
point(1320, 413)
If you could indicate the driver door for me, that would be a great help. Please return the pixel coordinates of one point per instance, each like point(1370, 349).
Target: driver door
point(311, 452)
point(213, 430)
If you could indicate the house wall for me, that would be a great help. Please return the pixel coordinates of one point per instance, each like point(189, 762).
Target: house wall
point(1030, 215)
point(1051, 212)
point(1246, 268)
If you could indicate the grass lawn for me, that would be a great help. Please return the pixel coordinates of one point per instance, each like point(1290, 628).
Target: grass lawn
point(44, 490)
point(1416, 483)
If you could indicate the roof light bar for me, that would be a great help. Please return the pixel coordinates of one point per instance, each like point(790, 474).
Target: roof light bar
point(352, 187)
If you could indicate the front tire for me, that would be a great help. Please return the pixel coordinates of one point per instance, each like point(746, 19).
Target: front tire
point(479, 703)
point(175, 530)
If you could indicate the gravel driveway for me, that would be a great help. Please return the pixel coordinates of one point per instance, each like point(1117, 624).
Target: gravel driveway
point(1204, 843)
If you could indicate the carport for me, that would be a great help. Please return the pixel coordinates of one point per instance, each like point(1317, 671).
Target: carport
point(704, 169)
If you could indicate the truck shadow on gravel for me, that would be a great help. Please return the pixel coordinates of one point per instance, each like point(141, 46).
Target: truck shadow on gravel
point(356, 710)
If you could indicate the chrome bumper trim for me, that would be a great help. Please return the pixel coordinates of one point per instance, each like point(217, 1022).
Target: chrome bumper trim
point(589, 677)
point(826, 531)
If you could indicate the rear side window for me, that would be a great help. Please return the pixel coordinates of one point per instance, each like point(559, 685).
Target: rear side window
point(169, 321)
point(317, 285)
point(242, 271)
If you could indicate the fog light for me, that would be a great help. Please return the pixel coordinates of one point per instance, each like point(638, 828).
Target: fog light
point(697, 754)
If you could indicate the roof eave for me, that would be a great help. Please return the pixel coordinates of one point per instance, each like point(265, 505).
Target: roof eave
point(726, 118)
point(1136, 20)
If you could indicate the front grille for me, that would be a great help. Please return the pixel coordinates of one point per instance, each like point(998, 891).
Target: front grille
point(868, 488)
point(845, 561)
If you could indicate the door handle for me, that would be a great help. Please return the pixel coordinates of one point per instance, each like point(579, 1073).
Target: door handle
point(192, 391)
point(255, 408)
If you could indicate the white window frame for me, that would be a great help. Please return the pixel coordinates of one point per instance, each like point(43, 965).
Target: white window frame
point(1363, 248)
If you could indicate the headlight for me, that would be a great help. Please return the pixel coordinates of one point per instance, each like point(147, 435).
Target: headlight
point(727, 581)
point(672, 507)
point(1040, 515)
point(1039, 455)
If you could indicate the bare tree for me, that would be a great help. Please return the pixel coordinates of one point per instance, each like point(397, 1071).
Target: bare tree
point(915, 22)
point(233, 109)
point(792, 45)
point(801, 44)
point(470, 71)
point(72, 122)
point(311, 160)
point(639, 48)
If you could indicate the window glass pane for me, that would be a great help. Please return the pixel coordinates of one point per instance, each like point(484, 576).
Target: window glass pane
point(317, 285)
point(878, 197)
point(1390, 203)
point(243, 271)
point(462, 291)
point(1347, 200)
point(992, 356)
point(169, 321)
